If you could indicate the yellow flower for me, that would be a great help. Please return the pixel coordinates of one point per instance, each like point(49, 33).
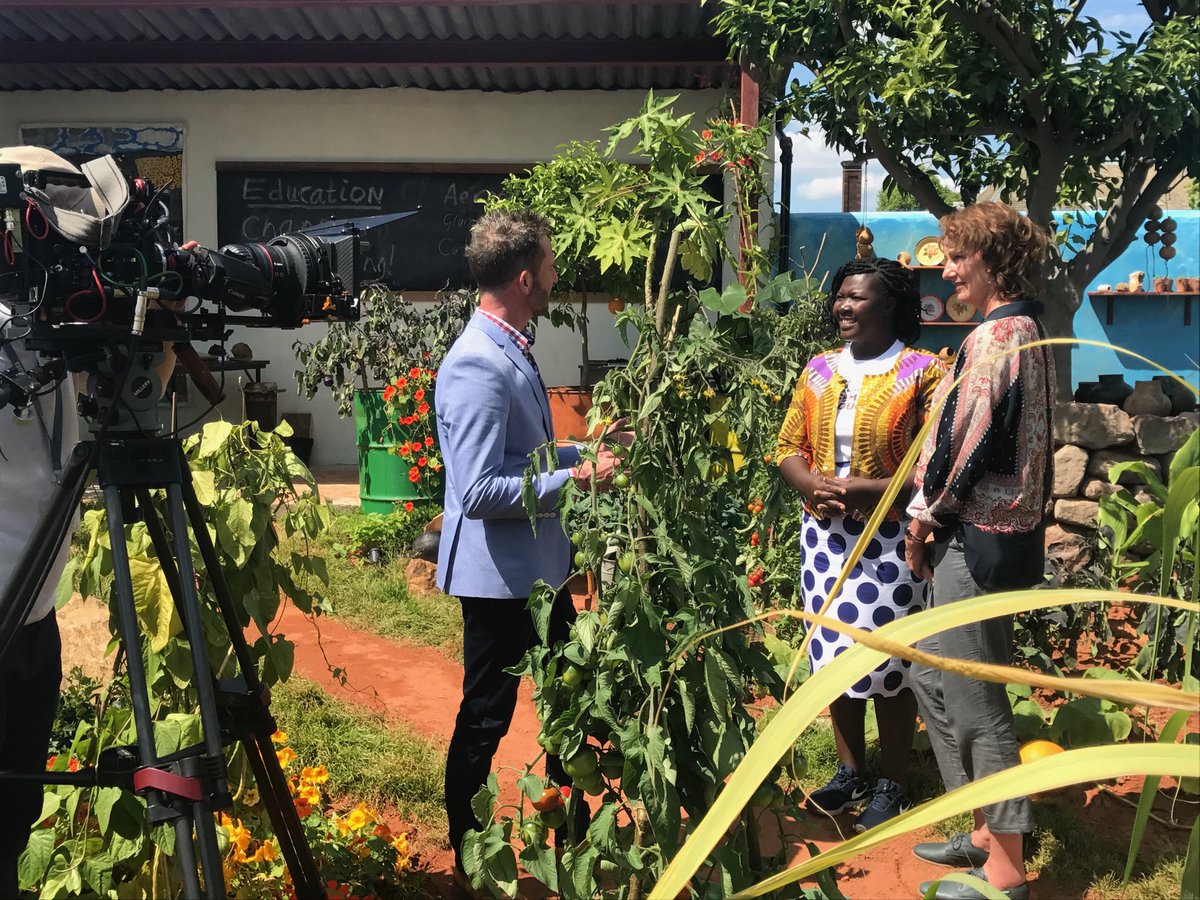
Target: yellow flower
point(250, 797)
point(266, 852)
point(279, 737)
point(309, 793)
point(403, 861)
point(314, 775)
point(342, 827)
point(360, 817)
point(286, 756)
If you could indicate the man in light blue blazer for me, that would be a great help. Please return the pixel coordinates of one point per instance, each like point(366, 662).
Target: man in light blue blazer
point(492, 413)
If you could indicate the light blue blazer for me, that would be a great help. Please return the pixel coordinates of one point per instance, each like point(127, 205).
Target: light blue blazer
point(492, 412)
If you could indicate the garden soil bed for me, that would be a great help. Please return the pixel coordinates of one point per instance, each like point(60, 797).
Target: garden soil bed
point(420, 687)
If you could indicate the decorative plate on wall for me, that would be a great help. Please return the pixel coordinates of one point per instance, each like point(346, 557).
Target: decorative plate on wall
point(931, 307)
point(929, 252)
point(959, 311)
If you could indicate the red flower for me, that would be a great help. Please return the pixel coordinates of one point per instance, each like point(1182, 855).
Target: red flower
point(431, 373)
point(401, 383)
point(706, 134)
point(419, 394)
point(422, 460)
point(388, 393)
point(414, 474)
point(408, 506)
point(405, 449)
point(429, 441)
point(414, 372)
point(700, 157)
point(423, 408)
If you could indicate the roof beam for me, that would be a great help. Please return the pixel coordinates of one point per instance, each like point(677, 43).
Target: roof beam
point(67, 5)
point(282, 54)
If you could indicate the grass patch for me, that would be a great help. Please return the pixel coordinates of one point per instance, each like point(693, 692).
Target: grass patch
point(368, 757)
point(376, 598)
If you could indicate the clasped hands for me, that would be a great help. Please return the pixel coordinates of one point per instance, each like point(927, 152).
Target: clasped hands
point(832, 496)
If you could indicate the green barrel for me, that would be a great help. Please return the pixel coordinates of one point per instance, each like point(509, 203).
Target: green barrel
point(382, 475)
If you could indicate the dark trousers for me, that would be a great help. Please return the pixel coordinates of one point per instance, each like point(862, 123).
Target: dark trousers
point(496, 634)
point(29, 679)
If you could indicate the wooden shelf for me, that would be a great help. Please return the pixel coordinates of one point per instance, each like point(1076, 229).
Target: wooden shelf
point(950, 324)
point(1109, 296)
point(926, 268)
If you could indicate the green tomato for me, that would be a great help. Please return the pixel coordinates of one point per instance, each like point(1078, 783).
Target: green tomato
point(533, 832)
point(580, 559)
point(581, 765)
point(621, 481)
point(625, 561)
point(555, 818)
point(577, 538)
point(552, 742)
point(573, 677)
point(764, 796)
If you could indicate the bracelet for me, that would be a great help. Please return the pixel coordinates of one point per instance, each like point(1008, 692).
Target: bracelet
point(909, 536)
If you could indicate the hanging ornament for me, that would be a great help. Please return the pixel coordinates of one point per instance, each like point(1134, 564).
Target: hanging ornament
point(1169, 225)
point(1169, 238)
point(1167, 252)
point(1152, 237)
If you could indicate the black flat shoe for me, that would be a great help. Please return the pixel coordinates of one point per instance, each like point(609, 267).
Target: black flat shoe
point(952, 890)
point(956, 853)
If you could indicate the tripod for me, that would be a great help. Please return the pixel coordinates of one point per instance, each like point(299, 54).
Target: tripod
point(186, 787)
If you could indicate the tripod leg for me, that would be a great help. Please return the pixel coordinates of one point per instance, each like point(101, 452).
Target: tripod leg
point(293, 845)
point(158, 808)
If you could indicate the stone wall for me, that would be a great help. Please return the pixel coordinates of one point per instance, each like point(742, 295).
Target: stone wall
point(1090, 438)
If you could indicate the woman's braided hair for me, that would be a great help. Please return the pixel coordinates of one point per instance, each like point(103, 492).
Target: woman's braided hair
point(898, 282)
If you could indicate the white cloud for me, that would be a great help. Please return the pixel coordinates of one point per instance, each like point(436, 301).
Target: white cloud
point(823, 187)
point(817, 173)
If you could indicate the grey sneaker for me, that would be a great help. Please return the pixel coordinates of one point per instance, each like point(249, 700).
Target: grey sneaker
point(844, 791)
point(956, 853)
point(887, 802)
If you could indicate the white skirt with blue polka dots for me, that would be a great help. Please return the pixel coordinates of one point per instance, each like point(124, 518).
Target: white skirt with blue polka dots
point(879, 590)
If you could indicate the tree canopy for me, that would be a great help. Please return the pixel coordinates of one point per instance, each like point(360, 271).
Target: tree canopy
point(1031, 97)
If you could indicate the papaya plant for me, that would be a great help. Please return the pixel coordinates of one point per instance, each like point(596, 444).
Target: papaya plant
point(96, 841)
point(647, 701)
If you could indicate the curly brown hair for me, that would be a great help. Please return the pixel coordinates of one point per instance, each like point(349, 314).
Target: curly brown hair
point(503, 244)
point(1014, 248)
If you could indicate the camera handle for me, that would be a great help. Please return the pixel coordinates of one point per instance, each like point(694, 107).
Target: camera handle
point(186, 787)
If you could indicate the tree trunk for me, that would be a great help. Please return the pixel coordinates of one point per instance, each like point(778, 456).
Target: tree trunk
point(1062, 299)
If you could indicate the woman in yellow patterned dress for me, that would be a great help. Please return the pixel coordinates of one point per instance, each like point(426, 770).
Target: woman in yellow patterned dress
point(853, 416)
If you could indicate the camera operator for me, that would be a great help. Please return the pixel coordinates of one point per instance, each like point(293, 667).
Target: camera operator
point(34, 443)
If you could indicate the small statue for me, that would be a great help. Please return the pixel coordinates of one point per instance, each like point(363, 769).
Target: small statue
point(866, 243)
point(1136, 281)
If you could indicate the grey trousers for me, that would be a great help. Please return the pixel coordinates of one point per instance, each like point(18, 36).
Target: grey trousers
point(970, 722)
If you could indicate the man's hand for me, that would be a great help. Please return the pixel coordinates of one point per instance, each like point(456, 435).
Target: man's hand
point(604, 469)
point(916, 552)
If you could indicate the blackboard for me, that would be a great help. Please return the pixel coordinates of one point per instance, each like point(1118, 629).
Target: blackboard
point(259, 201)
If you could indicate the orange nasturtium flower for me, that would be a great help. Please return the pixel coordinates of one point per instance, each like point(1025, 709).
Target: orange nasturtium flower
point(414, 474)
point(414, 372)
point(314, 774)
point(389, 392)
point(286, 755)
point(408, 506)
point(421, 461)
point(279, 737)
point(360, 817)
point(423, 409)
point(401, 383)
point(429, 440)
point(419, 394)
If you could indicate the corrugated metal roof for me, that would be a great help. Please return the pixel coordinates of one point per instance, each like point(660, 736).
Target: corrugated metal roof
point(244, 44)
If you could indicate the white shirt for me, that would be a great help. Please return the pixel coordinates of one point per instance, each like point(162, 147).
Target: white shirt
point(853, 371)
point(27, 479)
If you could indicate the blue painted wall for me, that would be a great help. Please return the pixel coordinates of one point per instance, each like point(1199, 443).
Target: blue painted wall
point(1151, 326)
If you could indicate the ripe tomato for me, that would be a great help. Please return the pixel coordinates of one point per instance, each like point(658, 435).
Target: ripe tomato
point(551, 799)
point(615, 305)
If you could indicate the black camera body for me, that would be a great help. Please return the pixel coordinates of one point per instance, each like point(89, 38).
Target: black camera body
point(293, 279)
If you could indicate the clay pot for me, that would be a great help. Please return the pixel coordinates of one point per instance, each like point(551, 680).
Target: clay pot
point(1147, 399)
point(1182, 400)
point(1112, 389)
point(1083, 393)
point(1162, 285)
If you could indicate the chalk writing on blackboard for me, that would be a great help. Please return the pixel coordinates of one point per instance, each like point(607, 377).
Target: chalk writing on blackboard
point(423, 252)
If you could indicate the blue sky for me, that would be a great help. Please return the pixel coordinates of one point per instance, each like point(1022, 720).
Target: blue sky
point(816, 169)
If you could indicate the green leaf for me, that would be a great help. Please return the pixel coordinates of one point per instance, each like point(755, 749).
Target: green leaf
point(1190, 883)
point(531, 785)
point(214, 437)
point(31, 867)
point(542, 864)
point(1149, 792)
point(726, 301)
point(204, 484)
point(102, 805)
point(1089, 721)
point(155, 606)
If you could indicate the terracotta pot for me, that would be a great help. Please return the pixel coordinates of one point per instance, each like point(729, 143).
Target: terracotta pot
point(1162, 285)
point(569, 408)
point(1182, 400)
point(1112, 389)
point(1147, 399)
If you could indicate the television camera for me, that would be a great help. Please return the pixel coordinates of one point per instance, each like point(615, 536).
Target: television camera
point(97, 281)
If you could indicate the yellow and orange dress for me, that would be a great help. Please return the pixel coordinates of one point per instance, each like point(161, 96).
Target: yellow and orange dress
point(858, 417)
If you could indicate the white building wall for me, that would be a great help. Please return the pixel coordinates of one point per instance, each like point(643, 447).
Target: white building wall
point(384, 125)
